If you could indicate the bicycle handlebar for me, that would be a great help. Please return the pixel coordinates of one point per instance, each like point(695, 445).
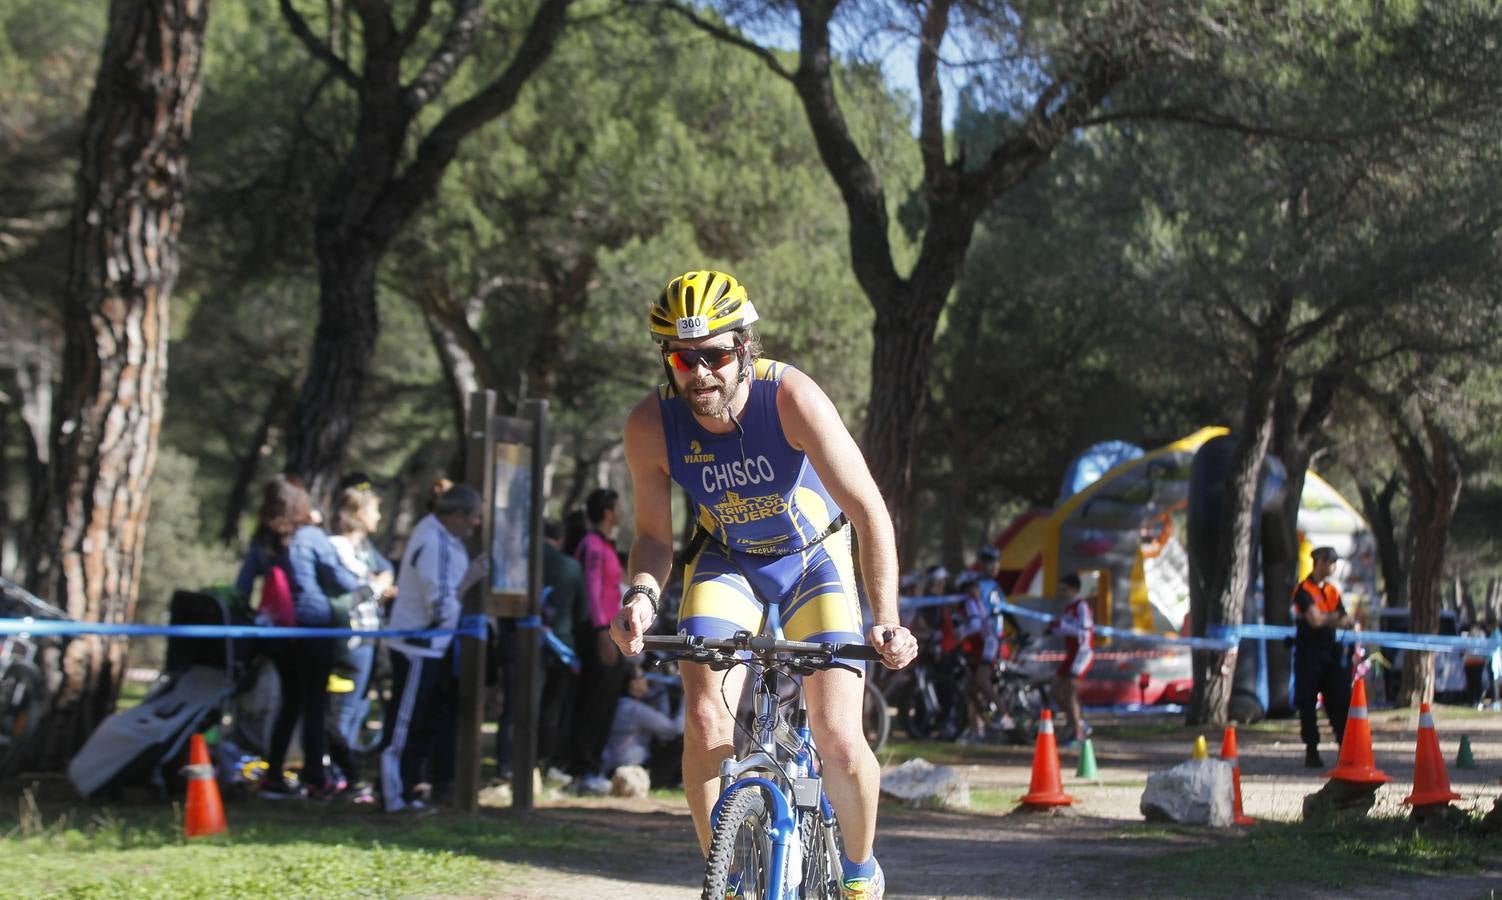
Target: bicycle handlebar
point(683, 643)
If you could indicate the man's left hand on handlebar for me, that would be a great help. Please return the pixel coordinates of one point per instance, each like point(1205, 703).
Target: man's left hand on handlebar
point(895, 643)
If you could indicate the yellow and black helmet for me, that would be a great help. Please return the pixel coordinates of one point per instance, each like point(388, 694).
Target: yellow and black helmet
point(700, 304)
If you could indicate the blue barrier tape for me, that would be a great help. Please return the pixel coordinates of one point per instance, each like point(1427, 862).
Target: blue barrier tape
point(48, 628)
point(529, 622)
point(564, 653)
point(1223, 637)
point(1401, 640)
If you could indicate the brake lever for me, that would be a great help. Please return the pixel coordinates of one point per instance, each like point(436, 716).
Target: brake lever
point(834, 663)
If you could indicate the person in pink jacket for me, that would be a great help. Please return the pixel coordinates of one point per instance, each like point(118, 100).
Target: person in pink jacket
point(604, 672)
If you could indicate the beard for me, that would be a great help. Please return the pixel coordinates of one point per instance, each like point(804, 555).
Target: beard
point(710, 396)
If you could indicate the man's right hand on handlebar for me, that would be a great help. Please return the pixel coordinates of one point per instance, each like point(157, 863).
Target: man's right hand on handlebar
point(630, 623)
point(895, 643)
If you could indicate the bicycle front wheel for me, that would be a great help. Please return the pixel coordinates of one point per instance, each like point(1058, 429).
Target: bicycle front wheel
point(822, 870)
point(740, 852)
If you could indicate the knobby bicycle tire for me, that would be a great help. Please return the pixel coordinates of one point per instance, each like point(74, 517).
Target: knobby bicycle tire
point(822, 869)
point(22, 706)
point(745, 810)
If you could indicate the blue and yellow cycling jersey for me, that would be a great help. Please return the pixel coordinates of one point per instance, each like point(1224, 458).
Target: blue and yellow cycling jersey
point(754, 493)
point(766, 513)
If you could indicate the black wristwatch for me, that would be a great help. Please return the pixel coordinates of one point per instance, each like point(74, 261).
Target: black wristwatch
point(645, 591)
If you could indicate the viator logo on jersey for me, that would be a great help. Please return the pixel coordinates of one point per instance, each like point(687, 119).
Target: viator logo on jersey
point(696, 454)
point(738, 510)
point(725, 476)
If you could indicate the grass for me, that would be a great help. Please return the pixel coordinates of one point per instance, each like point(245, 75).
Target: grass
point(281, 851)
point(993, 800)
point(1287, 858)
point(131, 694)
point(946, 753)
point(674, 794)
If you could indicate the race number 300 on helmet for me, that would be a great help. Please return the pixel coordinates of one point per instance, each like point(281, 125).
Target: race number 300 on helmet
point(700, 304)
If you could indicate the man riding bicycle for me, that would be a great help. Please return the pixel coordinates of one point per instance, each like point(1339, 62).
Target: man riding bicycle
point(776, 480)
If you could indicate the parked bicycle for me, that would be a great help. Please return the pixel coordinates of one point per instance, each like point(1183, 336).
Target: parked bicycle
point(774, 830)
point(23, 691)
point(929, 695)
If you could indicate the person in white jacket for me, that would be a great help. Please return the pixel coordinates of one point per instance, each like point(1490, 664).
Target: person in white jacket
point(435, 572)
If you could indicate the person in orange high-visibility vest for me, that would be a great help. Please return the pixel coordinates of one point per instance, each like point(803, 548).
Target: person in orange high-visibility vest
point(1319, 666)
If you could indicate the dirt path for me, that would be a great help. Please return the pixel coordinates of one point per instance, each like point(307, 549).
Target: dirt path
point(650, 851)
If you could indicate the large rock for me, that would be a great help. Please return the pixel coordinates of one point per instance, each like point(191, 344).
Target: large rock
point(921, 783)
point(630, 781)
point(1340, 800)
point(1198, 792)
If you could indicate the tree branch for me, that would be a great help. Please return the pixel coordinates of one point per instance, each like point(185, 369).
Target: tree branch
point(415, 25)
point(320, 50)
point(438, 149)
point(457, 42)
point(930, 90)
point(721, 33)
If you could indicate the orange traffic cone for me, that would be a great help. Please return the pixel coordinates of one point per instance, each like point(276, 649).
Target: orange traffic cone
point(1228, 753)
point(204, 814)
point(1047, 788)
point(1431, 783)
point(1356, 764)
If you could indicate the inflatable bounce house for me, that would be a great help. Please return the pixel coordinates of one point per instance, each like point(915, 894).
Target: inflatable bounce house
point(1127, 522)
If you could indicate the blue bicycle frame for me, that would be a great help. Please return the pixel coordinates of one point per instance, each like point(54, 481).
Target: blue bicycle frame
point(793, 785)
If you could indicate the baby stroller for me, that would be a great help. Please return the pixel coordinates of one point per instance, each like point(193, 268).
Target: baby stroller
point(147, 745)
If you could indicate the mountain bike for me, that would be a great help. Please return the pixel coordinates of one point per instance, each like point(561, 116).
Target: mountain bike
point(929, 695)
point(774, 831)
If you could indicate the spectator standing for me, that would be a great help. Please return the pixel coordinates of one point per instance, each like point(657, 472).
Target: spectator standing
point(357, 516)
point(285, 506)
point(564, 606)
point(1077, 623)
point(567, 606)
point(316, 577)
point(1475, 664)
point(980, 639)
point(1319, 666)
point(603, 673)
point(435, 572)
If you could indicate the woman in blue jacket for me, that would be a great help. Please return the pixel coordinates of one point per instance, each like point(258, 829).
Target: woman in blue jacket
point(315, 575)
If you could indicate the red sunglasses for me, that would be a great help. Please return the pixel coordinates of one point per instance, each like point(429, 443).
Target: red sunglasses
point(710, 357)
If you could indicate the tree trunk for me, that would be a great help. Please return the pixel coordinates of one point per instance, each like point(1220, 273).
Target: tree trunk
point(900, 363)
point(1435, 480)
point(1393, 554)
point(323, 419)
point(1226, 603)
point(1226, 588)
point(123, 264)
point(381, 184)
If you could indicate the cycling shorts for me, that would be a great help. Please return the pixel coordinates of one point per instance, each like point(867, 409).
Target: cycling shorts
point(814, 592)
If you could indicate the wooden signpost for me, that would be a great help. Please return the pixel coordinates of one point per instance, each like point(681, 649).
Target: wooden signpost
point(505, 462)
